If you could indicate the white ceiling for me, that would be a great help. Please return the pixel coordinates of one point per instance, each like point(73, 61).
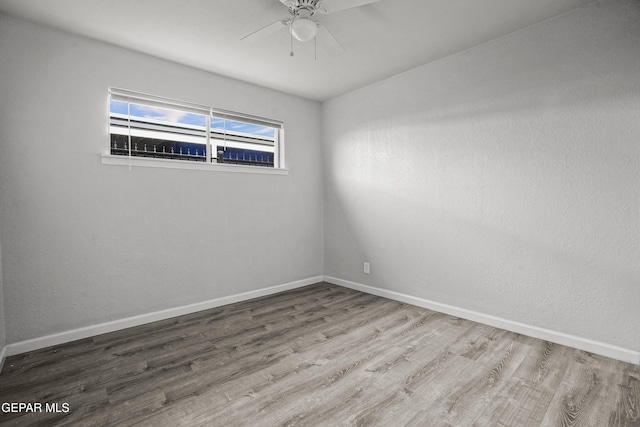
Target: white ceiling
point(380, 39)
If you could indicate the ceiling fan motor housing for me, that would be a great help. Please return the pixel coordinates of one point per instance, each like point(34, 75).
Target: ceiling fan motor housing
point(305, 8)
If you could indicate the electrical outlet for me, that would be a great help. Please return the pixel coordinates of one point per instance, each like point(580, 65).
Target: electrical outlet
point(367, 268)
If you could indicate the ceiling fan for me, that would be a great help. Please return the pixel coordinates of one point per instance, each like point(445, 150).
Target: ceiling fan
point(301, 24)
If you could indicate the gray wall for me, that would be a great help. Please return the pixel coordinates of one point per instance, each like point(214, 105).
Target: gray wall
point(85, 243)
point(504, 179)
point(3, 340)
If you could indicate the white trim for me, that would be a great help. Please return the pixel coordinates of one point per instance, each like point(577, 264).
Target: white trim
point(580, 343)
point(149, 162)
point(116, 325)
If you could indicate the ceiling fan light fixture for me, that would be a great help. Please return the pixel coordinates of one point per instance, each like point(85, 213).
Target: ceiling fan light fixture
point(304, 29)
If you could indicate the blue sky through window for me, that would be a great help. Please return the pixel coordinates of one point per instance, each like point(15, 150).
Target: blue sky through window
point(235, 126)
point(159, 113)
point(175, 116)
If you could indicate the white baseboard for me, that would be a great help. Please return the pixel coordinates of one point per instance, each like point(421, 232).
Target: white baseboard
point(580, 343)
point(115, 325)
point(585, 344)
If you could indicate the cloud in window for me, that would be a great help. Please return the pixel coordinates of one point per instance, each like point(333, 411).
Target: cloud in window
point(166, 114)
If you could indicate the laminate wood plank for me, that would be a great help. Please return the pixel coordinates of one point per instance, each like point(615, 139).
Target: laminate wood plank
point(204, 388)
point(437, 400)
point(389, 405)
point(344, 347)
point(525, 401)
point(465, 402)
point(426, 401)
point(213, 323)
point(221, 317)
point(228, 372)
point(331, 377)
point(320, 355)
point(325, 370)
point(231, 346)
point(627, 410)
point(584, 393)
point(196, 384)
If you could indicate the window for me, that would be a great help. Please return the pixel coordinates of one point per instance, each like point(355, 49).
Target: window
point(153, 127)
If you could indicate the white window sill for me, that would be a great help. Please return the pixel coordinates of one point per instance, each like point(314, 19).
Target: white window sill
point(146, 162)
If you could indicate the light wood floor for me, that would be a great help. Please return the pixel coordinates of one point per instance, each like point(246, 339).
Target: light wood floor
point(320, 355)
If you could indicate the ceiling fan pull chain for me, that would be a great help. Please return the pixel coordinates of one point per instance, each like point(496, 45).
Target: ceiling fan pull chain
point(291, 35)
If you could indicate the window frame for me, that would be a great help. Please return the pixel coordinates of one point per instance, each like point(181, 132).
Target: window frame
point(129, 96)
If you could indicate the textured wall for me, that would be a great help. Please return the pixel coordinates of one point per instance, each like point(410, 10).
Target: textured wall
point(504, 179)
point(84, 243)
point(3, 340)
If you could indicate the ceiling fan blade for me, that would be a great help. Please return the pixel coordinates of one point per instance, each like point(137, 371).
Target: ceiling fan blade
point(267, 31)
point(331, 6)
point(291, 4)
point(327, 42)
